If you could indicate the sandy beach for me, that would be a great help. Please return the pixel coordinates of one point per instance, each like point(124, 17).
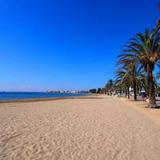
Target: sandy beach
point(104, 128)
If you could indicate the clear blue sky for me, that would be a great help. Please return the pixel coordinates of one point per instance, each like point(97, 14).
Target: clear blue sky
point(66, 44)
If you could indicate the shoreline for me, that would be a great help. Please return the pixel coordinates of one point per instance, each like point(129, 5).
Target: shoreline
point(27, 100)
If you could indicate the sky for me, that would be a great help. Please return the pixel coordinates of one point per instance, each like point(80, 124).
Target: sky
point(66, 44)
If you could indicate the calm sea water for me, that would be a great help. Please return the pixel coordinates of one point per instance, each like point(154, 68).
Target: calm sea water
point(32, 95)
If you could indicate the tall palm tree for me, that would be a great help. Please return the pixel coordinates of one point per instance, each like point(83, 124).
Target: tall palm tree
point(144, 49)
point(123, 79)
point(134, 72)
point(130, 68)
point(109, 86)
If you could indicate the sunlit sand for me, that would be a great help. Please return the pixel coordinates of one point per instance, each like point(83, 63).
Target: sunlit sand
point(104, 128)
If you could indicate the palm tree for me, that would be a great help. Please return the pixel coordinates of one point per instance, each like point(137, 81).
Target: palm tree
point(134, 72)
point(145, 50)
point(123, 80)
point(109, 87)
point(141, 80)
point(130, 68)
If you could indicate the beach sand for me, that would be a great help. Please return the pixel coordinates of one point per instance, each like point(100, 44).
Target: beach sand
point(104, 128)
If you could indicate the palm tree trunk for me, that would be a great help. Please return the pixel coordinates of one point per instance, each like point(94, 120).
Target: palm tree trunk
point(135, 89)
point(128, 92)
point(151, 87)
point(120, 91)
point(147, 85)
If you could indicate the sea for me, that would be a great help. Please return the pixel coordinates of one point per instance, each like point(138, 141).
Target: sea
point(5, 96)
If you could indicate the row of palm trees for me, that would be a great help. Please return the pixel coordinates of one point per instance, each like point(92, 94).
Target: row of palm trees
point(136, 65)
